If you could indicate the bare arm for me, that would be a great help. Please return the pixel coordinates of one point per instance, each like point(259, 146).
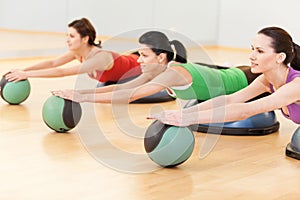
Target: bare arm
point(284, 96)
point(49, 69)
point(125, 95)
point(114, 96)
point(61, 60)
point(100, 61)
point(43, 69)
point(128, 92)
point(136, 82)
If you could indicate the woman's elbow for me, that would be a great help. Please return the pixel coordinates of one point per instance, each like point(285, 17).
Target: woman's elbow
point(60, 73)
point(138, 96)
point(67, 72)
point(134, 98)
point(244, 115)
point(240, 112)
point(245, 112)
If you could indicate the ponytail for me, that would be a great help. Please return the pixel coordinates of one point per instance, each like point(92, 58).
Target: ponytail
point(295, 63)
point(179, 51)
point(98, 44)
point(159, 43)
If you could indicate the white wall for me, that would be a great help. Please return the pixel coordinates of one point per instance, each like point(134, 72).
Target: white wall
point(196, 19)
point(33, 15)
point(221, 22)
point(240, 20)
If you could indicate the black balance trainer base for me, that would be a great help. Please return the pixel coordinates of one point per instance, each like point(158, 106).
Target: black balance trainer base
point(290, 152)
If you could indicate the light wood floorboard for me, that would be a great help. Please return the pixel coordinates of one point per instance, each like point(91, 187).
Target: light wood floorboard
point(37, 163)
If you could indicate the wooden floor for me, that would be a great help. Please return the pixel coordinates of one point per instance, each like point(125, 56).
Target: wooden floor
point(37, 163)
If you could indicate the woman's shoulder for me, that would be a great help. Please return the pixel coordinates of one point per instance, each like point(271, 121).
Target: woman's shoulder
point(293, 74)
point(295, 80)
point(96, 50)
point(179, 68)
point(100, 52)
point(177, 64)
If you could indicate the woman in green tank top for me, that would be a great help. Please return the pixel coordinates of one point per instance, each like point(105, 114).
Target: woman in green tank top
point(209, 82)
point(164, 66)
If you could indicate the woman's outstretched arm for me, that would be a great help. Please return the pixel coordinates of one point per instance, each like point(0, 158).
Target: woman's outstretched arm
point(231, 107)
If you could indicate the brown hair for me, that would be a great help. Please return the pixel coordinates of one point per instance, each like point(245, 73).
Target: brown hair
point(283, 42)
point(85, 28)
point(159, 43)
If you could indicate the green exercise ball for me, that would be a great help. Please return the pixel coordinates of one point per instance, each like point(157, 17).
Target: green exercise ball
point(61, 115)
point(14, 93)
point(168, 146)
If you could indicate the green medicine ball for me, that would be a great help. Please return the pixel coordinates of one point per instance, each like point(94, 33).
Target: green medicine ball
point(14, 93)
point(168, 146)
point(61, 115)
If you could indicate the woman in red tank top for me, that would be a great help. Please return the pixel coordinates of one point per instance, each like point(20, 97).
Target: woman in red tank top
point(98, 63)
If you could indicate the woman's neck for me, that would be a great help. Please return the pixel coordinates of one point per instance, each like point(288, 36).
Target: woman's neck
point(277, 77)
point(84, 52)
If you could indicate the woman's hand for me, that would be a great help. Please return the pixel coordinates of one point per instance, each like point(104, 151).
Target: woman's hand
point(72, 95)
point(171, 117)
point(16, 75)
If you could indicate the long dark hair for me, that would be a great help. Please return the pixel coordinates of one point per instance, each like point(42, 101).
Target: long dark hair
point(283, 42)
point(159, 43)
point(85, 28)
